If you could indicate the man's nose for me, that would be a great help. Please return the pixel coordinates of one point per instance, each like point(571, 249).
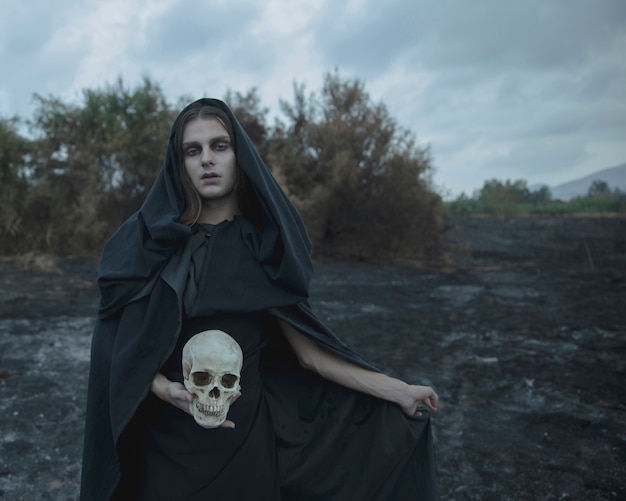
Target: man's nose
point(207, 157)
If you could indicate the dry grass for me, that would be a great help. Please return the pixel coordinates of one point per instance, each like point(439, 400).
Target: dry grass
point(38, 262)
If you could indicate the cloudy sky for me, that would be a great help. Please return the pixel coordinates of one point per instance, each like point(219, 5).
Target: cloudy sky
point(504, 89)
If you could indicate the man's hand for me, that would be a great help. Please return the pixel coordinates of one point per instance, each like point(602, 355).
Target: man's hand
point(415, 396)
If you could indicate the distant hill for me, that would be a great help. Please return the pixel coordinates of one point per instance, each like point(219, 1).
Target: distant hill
point(615, 177)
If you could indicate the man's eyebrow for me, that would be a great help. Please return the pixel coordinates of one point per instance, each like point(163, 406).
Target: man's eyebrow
point(212, 140)
point(221, 138)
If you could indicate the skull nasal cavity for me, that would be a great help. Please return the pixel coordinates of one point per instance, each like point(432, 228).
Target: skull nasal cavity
point(214, 393)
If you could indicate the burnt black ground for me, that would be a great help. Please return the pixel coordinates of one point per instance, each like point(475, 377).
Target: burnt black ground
point(523, 336)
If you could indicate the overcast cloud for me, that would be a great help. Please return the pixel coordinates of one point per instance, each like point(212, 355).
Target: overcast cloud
point(502, 89)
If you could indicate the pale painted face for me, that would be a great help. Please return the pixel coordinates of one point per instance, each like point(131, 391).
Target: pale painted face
point(210, 163)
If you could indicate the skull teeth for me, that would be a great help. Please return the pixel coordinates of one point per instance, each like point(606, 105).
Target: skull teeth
point(209, 410)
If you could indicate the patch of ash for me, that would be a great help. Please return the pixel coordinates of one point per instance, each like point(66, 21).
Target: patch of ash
point(45, 363)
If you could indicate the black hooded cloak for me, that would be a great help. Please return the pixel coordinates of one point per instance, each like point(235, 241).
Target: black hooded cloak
point(332, 443)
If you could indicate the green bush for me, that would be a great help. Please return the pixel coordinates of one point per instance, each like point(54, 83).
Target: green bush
point(515, 199)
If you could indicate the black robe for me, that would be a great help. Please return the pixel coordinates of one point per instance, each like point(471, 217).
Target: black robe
point(332, 443)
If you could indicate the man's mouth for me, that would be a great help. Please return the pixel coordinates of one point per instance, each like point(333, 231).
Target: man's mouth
point(210, 175)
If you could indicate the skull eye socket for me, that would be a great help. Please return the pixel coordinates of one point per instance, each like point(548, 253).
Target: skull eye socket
point(201, 378)
point(229, 380)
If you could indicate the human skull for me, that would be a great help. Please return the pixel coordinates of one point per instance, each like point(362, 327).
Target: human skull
point(212, 362)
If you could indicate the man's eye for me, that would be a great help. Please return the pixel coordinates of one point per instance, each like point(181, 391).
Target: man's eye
point(190, 152)
point(221, 146)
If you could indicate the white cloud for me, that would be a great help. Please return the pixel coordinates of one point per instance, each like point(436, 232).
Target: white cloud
point(498, 89)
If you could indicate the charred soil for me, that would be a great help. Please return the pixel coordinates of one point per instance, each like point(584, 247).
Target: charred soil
point(523, 336)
